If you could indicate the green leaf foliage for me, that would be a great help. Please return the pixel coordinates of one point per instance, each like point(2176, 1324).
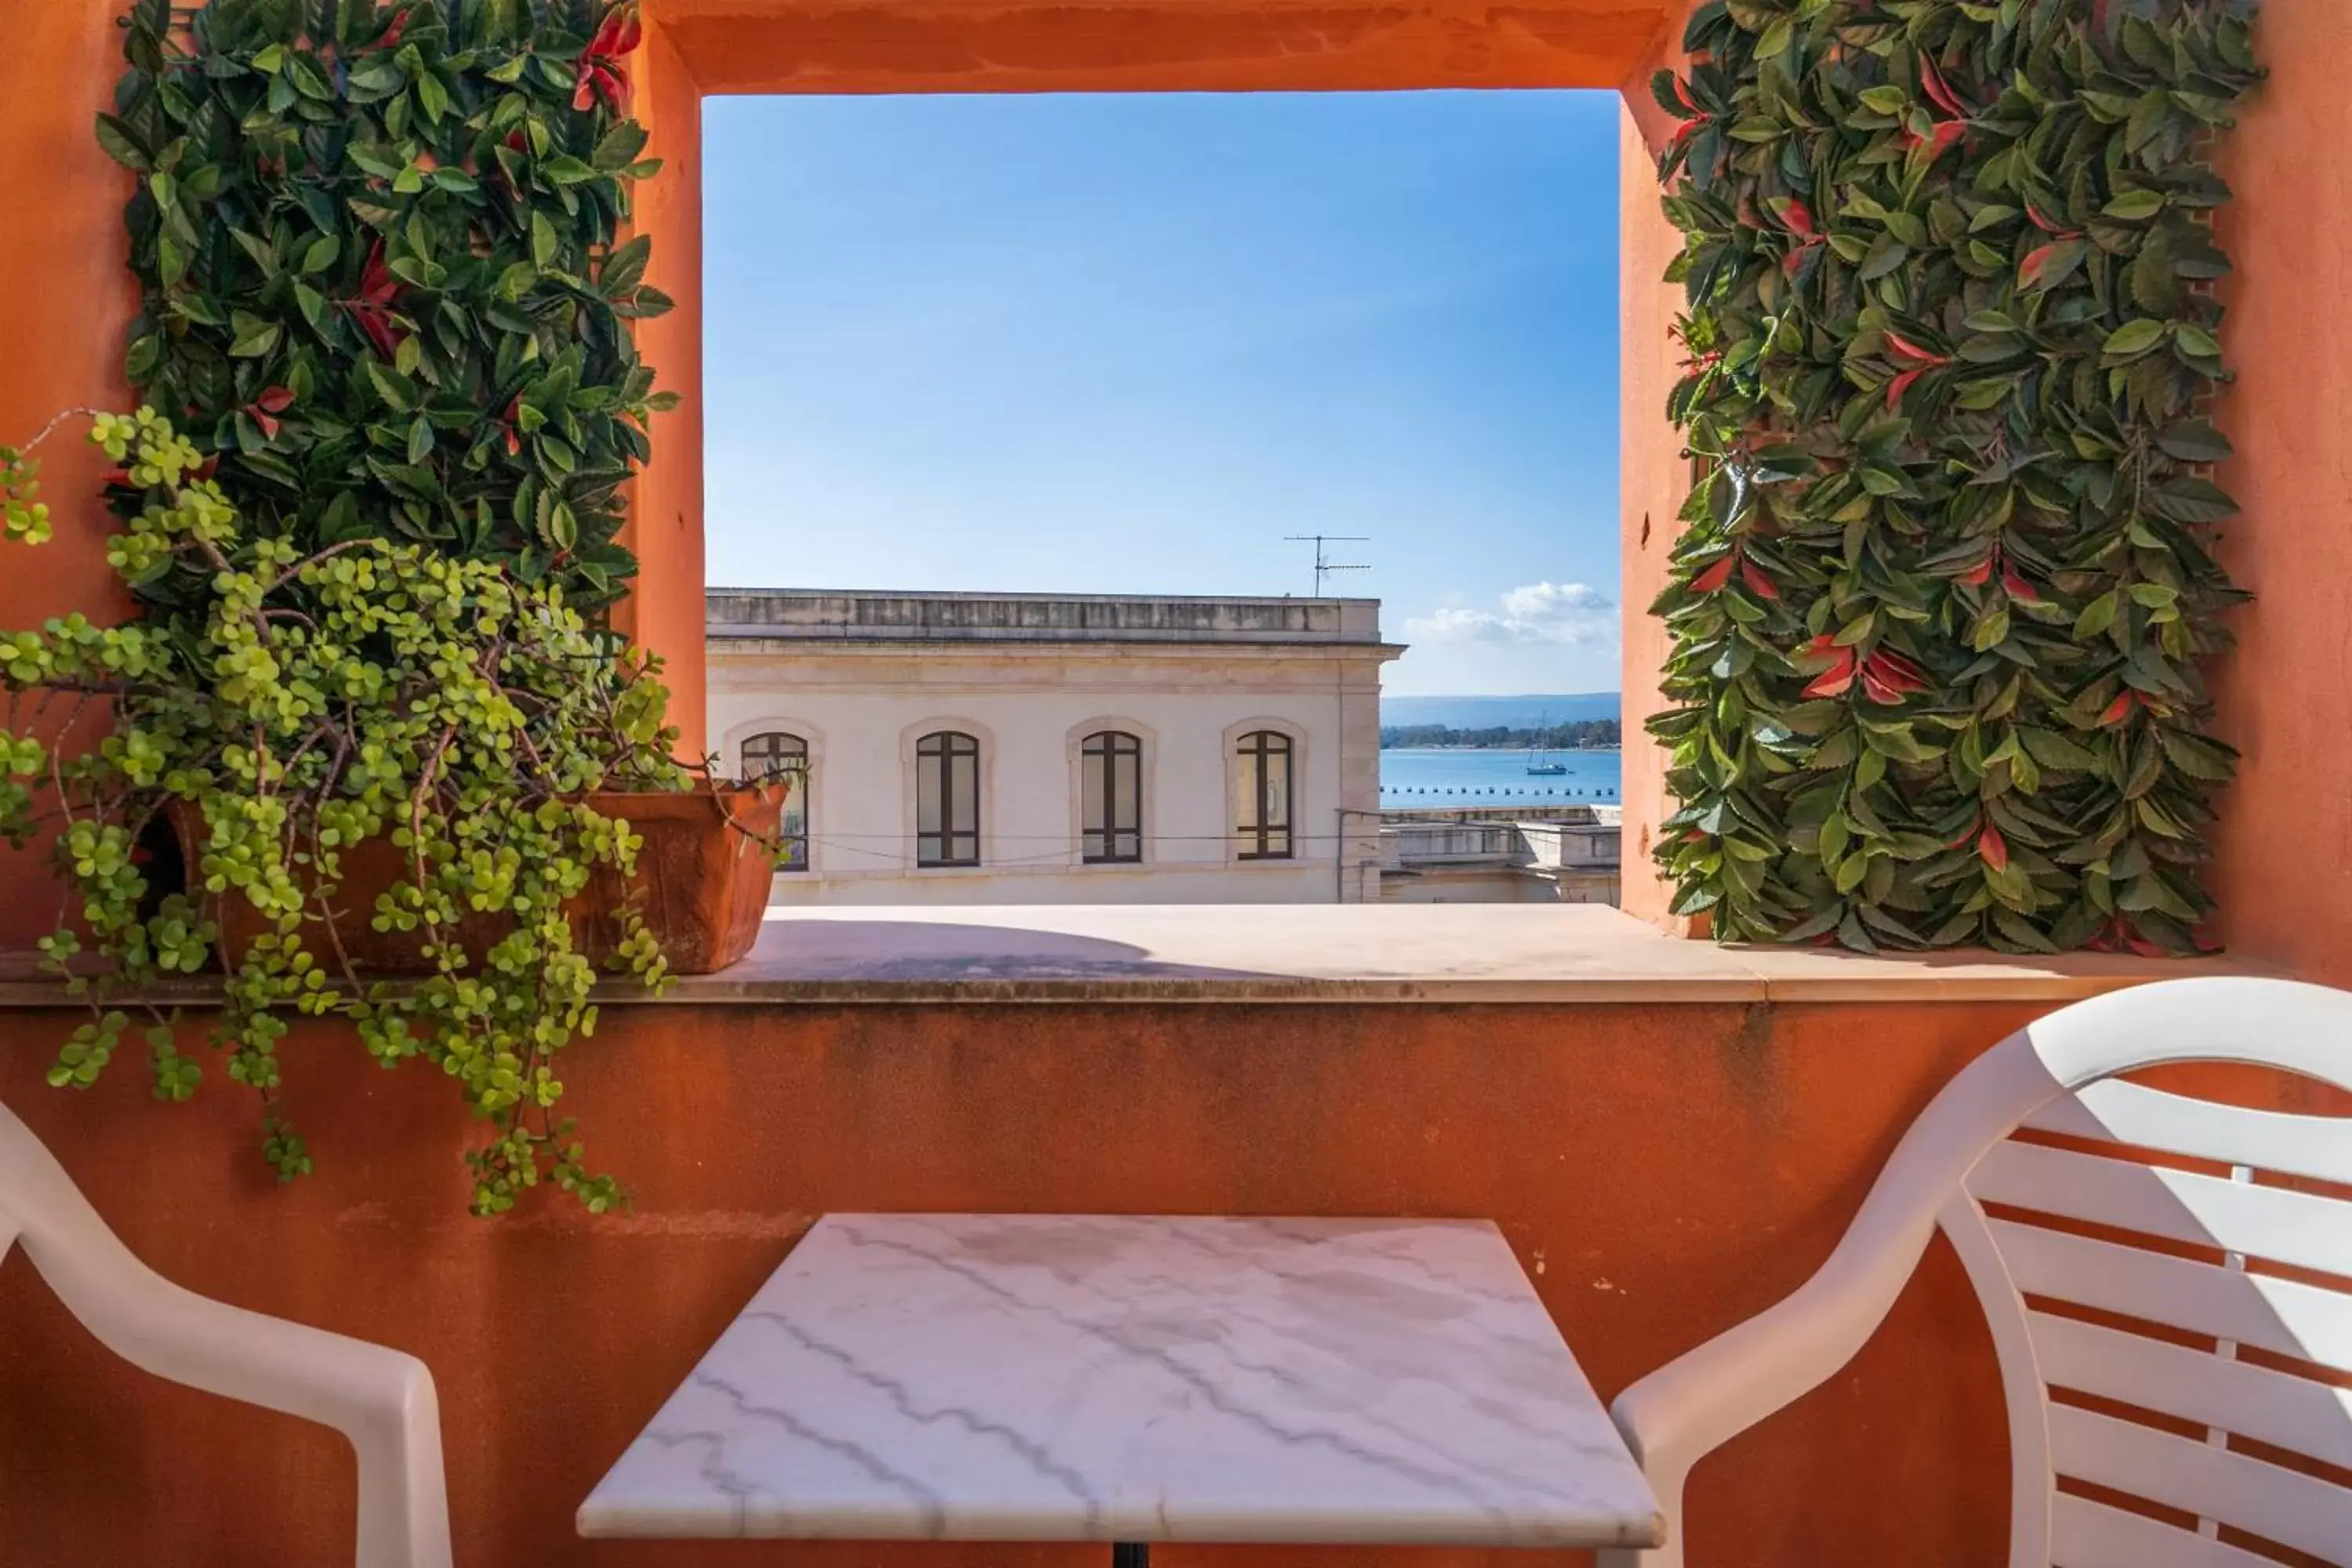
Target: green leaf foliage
point(400, 225)
point(1945, 578)
point(367, 691)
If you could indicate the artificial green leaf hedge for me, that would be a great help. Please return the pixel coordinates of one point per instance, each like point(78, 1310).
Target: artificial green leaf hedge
point(1945, 578)
point(384, 275)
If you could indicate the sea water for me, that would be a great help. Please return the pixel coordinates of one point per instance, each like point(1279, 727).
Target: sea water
point(1435, 778)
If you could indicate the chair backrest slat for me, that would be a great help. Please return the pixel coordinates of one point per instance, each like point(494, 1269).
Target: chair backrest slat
point(2087, 1534)
point(2274, 1503)
point(2122, 1112)
point(2097, 1224)
point(2298, 1229)
point(2285, 1411)
point(2281, 1315)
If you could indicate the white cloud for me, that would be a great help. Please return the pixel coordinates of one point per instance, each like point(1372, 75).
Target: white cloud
point(1567, 613)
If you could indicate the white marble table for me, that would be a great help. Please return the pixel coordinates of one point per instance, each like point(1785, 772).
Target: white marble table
point(1001, 1377)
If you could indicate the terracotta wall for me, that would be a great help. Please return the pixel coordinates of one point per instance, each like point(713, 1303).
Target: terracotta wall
point(1652, 475)
point(66, 300)
point(665, 612)
point(2284, 867)
point(1662, 1171)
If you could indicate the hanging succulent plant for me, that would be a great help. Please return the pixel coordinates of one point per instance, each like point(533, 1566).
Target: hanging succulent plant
point(1946, 575)
point(382, 274)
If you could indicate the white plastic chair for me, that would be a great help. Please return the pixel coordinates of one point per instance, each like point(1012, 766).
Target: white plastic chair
point(381, 1399)
point(2054, 1076)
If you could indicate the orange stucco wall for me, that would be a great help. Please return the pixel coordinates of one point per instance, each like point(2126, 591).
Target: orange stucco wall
point(665, 527)
point(1652, 475)
point(2284, 867)
point(1662, 1171)
point(65, 303)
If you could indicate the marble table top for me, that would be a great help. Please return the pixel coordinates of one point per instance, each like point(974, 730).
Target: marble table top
point(1005, 1377)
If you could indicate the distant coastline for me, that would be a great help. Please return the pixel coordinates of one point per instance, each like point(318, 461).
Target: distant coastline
point(1494, 746)
point(1578, 735)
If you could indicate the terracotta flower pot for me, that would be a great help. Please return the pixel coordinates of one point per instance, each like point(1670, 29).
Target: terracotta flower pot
point(701, 882)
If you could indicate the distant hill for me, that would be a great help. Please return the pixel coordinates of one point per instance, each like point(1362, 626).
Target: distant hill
point(1484, 713)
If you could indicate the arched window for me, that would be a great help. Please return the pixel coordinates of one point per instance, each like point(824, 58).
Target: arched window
point(947, 799)
point(1110, 786)
point(1262, 794)
point(779, 755)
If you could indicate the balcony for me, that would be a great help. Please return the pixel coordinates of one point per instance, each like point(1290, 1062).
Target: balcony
point(1670, 1134)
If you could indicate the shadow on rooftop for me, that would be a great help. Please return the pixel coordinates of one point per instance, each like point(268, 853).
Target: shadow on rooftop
point(793, 948)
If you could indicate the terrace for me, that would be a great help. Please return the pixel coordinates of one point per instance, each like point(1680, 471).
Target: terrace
point(1672, 1135)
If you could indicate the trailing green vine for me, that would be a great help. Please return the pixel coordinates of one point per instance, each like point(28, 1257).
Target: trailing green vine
point(382, 276)
point(371, 517)
point(321, 702)
point(1946, 575)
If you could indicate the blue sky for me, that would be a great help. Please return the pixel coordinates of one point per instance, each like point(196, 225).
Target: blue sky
point(1124, 343)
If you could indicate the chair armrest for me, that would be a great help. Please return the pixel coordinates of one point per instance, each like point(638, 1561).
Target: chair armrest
point(381, 1399)
point(1700, 1401)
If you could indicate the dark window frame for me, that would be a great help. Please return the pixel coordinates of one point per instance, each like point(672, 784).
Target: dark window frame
point(772, 761)
point(956, 842)
point(1107, 835)
point(1262, 838)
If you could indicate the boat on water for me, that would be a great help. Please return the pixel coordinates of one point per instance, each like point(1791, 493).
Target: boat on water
point(1540, 763)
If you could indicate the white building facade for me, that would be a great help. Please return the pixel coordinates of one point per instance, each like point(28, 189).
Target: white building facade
point(1031, 748)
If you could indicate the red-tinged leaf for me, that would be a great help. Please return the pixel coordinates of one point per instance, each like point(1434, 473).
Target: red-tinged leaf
point(2016, 586)
point(1757, 584)
point(2141, 945)
point(2118, 710)
point(1993, 849)
point(1794, 215)
point(117, 478)
point(1717, 575)
point(611, 86)
point(2042, 219)
point(390, 39)
point(1899, 668)
point(1833, 682)
point(1821, 644)
point(1683, 132)
point(1901, 385)
point(1980, 574)
point(1877, 690)
point(1681, 91)
point(2049, 264)
point(1941, 140)
point(1931, 82)
point(378, 287)
point(208, 468)
point(379, 329)
point(583, 96)
point(1911, 351)
point(270, 424)
point(608, 36)
point(275, 400)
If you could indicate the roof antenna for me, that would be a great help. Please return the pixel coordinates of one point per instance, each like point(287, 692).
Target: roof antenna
point(1324, 564)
